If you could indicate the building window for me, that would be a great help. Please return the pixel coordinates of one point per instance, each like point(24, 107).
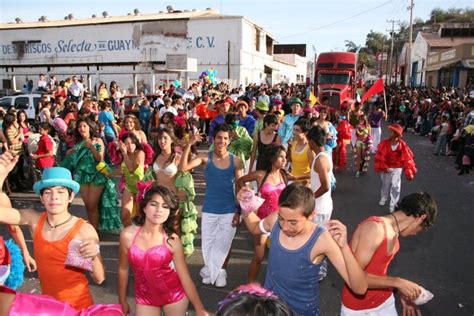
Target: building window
point(269, 44)
point(257, 39)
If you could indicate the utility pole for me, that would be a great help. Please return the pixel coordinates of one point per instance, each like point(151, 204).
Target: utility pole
point(410, 38)
point(392, 35)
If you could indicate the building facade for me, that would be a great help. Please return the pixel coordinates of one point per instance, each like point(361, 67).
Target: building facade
point(134, 50)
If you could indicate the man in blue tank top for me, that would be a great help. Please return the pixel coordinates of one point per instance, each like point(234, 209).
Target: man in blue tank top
point(298, 247)
point(220, 215)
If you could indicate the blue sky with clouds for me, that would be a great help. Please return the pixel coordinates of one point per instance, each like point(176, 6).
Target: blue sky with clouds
point(322, 23)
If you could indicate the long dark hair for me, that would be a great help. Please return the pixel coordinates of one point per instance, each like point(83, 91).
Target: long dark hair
point(170, 199)
point(157, 148)
point(18, 118)
point(134, 139)
point(269, 157)
point(93, 130)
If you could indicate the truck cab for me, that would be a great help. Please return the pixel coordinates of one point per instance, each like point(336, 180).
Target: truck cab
point(335, 77)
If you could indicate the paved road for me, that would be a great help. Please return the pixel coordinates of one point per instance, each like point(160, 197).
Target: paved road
point(441, 260)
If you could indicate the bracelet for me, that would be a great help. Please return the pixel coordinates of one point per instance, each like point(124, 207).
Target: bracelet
point(262, 229)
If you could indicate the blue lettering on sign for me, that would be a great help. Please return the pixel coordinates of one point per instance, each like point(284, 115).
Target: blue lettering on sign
point(210, 41)
point(201, 42)
point(75, 47)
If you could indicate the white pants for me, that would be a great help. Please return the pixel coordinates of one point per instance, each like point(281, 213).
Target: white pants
point(376, 133)
point(391, 184)
point(386, 309)
point(217, 236)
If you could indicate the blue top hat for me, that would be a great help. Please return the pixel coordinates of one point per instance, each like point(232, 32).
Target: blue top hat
point(56, 177)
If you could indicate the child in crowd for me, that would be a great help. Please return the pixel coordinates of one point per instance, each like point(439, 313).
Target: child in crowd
point(252, 300)
point(44, 155)
point(442, 130)
point(149, 247)
point(298, 247)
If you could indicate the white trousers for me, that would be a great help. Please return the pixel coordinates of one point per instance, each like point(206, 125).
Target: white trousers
point(386, 309)
point(391, 185)
point(376, 133)
point(217, 236)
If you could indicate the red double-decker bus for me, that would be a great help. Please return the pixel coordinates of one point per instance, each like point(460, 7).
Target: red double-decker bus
point(335, 77)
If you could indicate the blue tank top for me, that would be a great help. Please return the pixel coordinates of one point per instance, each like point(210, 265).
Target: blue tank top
point(291, 274)
point(219, 197)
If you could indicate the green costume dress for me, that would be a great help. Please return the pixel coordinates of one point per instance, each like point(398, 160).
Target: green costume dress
point(184, 182)
point(82, 165)
point(131, 178)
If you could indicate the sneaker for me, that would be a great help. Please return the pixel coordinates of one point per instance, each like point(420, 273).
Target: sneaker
point(382, 202)
point(357, 174)
point(205, 275)
point(206, 281)
point(221, 280)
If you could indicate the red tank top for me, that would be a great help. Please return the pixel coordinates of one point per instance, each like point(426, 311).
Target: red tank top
point(378, 265)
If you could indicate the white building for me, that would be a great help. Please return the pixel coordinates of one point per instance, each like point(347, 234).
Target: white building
point(133, 50)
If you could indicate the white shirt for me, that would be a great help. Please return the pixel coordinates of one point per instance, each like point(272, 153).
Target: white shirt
point(323, 204)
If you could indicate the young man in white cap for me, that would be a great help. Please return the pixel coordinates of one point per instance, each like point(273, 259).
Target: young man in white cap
point(53, 232)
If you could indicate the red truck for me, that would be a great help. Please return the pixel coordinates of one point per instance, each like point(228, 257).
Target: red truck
point(335, 77)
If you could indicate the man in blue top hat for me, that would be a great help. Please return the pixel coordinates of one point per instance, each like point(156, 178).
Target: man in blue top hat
point(56, 227)
point(286, 128)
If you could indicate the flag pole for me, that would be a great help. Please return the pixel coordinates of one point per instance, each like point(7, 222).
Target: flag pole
point(385, 101)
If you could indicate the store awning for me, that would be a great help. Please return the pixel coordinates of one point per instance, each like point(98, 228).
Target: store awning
point(441, 65)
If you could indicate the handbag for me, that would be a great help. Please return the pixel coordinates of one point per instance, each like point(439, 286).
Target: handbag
point(74, 258)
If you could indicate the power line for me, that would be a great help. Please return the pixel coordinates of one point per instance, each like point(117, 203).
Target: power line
point(339, 21)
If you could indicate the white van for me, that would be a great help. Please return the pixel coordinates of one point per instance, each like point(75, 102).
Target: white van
point(25, 102)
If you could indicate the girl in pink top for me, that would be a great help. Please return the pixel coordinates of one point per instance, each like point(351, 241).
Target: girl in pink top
point(149, 246)
point(271, 181)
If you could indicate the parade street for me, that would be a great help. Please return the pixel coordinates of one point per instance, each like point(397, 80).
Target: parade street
point(440, 259)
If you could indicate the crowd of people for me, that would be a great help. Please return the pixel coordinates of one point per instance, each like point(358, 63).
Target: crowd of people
point(271, 142)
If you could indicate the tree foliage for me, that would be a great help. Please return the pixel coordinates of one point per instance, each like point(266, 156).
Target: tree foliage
point(453, 15)
point(375, 41)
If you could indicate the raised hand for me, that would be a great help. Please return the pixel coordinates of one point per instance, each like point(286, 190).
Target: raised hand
point(338, 232)
point(7, 163)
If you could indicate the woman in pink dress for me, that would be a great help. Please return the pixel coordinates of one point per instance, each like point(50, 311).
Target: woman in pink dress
point(148, 247)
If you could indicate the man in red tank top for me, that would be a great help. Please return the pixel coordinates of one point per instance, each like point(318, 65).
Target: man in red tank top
point(54, 230)
point(375, 244)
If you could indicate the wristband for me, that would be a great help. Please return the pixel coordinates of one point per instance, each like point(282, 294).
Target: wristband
point(262, 229)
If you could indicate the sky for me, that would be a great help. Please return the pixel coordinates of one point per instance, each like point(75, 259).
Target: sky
point(321, 24)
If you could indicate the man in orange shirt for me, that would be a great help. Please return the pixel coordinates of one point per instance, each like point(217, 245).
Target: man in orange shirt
point(53, 232)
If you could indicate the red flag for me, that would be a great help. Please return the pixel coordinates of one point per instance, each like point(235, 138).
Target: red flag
point(376, 88)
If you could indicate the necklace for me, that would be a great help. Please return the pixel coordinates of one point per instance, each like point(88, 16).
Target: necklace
point(60, 224)
point(396, 221)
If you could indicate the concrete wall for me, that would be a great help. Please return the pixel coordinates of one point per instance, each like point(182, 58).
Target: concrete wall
point(419, 54)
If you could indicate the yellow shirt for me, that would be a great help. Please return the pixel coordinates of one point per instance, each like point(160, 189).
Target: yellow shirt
point(299, 160)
